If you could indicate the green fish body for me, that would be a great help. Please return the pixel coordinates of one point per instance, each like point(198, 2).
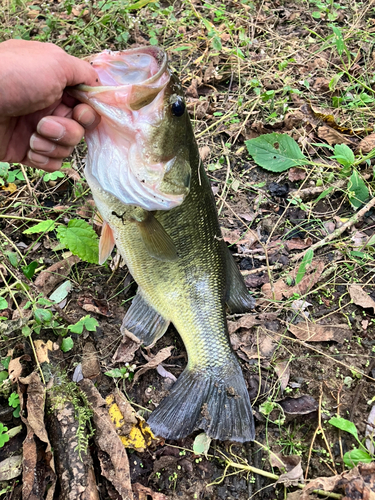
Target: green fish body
point(186, 276)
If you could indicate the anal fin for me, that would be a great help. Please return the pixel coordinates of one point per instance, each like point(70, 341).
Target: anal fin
point(143, 321)
point(238, 298)
point(156, 240)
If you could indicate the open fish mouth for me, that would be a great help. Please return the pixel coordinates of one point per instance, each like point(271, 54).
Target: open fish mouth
point(126, 151)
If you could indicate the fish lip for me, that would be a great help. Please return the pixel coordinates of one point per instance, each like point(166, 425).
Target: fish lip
point(159, 54)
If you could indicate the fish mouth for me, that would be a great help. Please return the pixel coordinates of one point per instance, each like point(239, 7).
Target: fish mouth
point(141, 68)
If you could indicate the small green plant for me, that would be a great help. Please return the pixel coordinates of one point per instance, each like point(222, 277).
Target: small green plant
point(125, 373)
point(9, 175)
point(352, 457)
point(4, 436)
point(14, 402)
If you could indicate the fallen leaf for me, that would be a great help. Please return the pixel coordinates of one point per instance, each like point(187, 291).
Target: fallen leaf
point(321, 84)
point(90, 362)
point(15, 369)
point(10, 468)
point(359, 239)
point(36, 456)
point(133, 430)
point(94, 305)
point(296, 174)
point(161, 356)
point(234, 237)
point(201, 444)
point(360, 297)
point(42, 349)
point(11, 187)
point(299, 306)
point(47, 280)
point(332, 136)
point(297, 243)
point(144, 493)
point(111, 452)
point(128, 346)
point(282, 371)
point(71, 173)
point(165, 373)
point(289, 463)
point(204, 152)
point(303, 405)
point(249, 320)
point(312, 332)
point(367, 144)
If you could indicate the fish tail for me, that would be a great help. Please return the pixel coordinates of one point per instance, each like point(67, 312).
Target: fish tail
point(215, 400)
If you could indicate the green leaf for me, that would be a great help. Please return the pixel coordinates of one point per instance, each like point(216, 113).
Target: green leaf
point(201, 444)
point(3, 375)
point(344, 155)
point(115, 373)
point(3, 304)
point(42, 227)
point(61, 292)
point(5, 362)
point(91, 324)
point(53, 176)
point(275, 152)
point(13, 258)
point(14, 400)
point(43, 316)
point(26, 331)
point(4, 437)
point(4, 167)
point(67, 344)
point(88, 322)
point(358, 192)
point(339, 41)
point(306, 261)
point(344, 425)
point(353, 457)
point(324, 193)
point(216, 43)
point(44, 302)
point(16, 412)
point(81, 240)
point(29, 270)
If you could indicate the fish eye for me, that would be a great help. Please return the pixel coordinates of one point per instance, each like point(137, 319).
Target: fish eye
point(178, 107)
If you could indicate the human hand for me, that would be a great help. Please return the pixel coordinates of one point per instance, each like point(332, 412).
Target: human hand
point(39, 122)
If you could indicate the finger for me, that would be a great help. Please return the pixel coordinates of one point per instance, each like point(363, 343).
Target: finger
point(64, 131)
point(86, 116)
point(42, 162)
point(48, 148)
point(79, 71)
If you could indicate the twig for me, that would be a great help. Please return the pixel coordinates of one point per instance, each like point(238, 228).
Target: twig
point(27, 180)
point(339, 231)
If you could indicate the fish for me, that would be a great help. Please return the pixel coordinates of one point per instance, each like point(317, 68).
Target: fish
point(170, 238)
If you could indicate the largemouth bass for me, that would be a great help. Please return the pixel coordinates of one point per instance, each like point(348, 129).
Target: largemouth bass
point(172, 246)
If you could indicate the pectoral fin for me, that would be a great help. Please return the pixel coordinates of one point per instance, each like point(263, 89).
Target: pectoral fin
point(143, 321)
point(158, 243)
point(106, 243)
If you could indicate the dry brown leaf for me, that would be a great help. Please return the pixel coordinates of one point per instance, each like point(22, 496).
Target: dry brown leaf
point(312, 332)
point(161, 356)
point(15, 369)
point(321, 84)
point(144, 493)
point(51, 277)
point(289, 463)
point(42, 349)
point(303, 405)
point(72, 174)
point(94, 305)
point(90, 362)
point(367, 144)
point(296, 174)
point(254, 344)
point(35, 457)
point(10, 468)
point(111, 452)
point(359, 483)
point(204, 152)
point(297, 243)
point(128, 346)
point(360, 297)
point(234, 237)
point(249, 320)
point(282, 371)
point(332, 136)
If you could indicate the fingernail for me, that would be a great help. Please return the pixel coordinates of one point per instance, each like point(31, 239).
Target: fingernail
point(37, 159)
point(41, 145)
point(50, 128)
point(89, 120)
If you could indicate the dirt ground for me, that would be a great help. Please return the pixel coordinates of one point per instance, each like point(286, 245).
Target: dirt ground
point(302, 68)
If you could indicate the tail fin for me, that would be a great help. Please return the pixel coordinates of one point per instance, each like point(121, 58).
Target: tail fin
point(215, 400)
